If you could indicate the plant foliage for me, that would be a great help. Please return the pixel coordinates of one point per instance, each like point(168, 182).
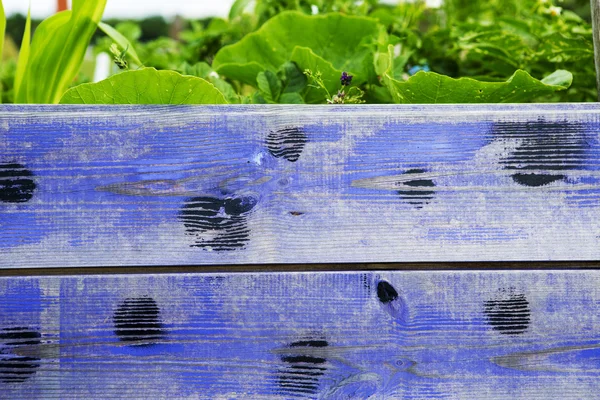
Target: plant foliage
point(318, 52)
point(57, 52)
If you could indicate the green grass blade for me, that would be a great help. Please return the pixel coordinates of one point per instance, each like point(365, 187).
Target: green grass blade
point(2, 34)
point(23, 53)
point(57, 52)
point(2, 28)
point(31, 81)
point(121, 40)
point(238, 7)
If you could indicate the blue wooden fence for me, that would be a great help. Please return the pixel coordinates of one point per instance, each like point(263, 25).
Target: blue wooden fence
point(86, 188)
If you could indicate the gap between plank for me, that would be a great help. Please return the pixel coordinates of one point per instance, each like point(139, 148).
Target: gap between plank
point(287, 268)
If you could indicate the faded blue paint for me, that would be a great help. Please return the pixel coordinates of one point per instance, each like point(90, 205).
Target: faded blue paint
point(403, 146)
point(22, 309)
point(228, 335)
point(117, 188)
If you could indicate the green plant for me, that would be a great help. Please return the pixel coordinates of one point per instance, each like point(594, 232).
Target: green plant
point(56, 53)
point(490, 40)
point(304, 51)
point(345, 95)
point(2, 32)
point(337, 43)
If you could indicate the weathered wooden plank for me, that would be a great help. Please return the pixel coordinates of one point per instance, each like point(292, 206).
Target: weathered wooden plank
point(124, 186)
point(376, 335)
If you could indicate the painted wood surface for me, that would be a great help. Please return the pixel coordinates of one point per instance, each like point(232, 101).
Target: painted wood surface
point(124, 186)
point(384, 335)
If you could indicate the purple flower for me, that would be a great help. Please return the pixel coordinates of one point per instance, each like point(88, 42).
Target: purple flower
point(346, 79)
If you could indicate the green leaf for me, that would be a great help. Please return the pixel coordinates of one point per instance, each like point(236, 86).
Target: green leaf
point(200, 70)
point(131, 30)
point(520, 28)
point(376, 94)
point(238, 8)
point(383, 62)
point(293, 78)
point(291, 98)
point(331, 76)
point(560, 78)
point(57, 52)
point(491, 51)
point(269, 86)
point(204, 71)
point(23, 53)
point(341, 40)
point(257, 98)
point(2, 35)
point(2, 28)
point(226, 89)
point(27, 91)
point(121, 40)
point(146, 86)
point(432, 88)
point(557, 48)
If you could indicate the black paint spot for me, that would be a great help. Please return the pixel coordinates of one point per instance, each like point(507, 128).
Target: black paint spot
point(417, 197)
point(509, 314)
point(301, 375)
point(138, 320)
point(14, 368)
point(287, 143)
point(386, 292)
point(218, 225)
point(536, 180)
point(546, 146)
point(16, 185)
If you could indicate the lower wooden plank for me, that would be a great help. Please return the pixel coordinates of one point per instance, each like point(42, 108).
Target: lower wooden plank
point(372, 335)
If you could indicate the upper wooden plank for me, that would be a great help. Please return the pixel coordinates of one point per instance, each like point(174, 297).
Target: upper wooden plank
point(120, 186)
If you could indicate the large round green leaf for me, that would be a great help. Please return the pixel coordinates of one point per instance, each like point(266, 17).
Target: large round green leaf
point(345, 42)
point(432, 88)
point(146, 86)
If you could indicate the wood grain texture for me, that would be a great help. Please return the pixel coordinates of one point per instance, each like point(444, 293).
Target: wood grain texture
point(363, 335)
point(139, 186)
